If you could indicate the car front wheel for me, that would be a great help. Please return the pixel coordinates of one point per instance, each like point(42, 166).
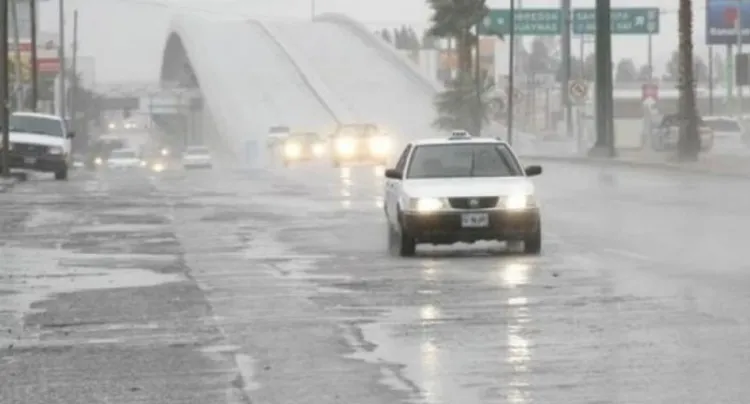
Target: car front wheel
point(61, 175)
point(533, 243)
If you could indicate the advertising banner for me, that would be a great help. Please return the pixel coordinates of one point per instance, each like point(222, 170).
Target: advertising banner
point(721, 19)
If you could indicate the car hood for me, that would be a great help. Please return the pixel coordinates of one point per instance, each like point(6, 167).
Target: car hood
point(457, 187)
point(33, 138)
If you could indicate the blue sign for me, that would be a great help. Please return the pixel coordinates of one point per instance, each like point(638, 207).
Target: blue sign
point(720, 22)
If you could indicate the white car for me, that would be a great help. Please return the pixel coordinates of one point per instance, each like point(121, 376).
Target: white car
point(197, 157)
point(123, 159)
point(40, 142)
point(461, 189)
point(729, 134)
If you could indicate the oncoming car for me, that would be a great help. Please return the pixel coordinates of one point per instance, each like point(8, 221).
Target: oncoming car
point(197, 156)
point(360, 143)
point(302, 147)
point(461, 189)
point(123, 159)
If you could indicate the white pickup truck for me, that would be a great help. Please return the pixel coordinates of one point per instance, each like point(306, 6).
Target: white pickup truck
point(40, 142)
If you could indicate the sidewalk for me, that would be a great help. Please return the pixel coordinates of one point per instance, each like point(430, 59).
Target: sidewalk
point(7, 183)
point(731, 165)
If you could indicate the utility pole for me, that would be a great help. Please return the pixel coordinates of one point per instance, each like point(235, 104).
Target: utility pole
point(478, 83)
point(34, 99)
point(18, 65)
point(4, 96)
point(605, 137)
point(511, 69)
point(74, 74)
point(565, 85)
point(738, 22)
point(62, 108)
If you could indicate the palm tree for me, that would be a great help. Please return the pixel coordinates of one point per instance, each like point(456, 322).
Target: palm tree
point(459, 107)
point(689, 141)
point(455, 19)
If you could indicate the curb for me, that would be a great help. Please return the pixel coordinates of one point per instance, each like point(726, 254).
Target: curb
point(644, 165)
point(6, 185)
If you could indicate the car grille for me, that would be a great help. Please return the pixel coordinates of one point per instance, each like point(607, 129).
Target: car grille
point(473, 203)
point(26, 149)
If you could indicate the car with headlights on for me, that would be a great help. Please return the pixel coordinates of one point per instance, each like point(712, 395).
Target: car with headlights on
point(461, 189)
point(123, 159)
point(39, 142)
point(301, 147)
point(197, 157)
point(360, 143)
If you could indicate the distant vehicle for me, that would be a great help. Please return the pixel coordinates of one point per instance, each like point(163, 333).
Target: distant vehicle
point(40, 142)
point(729, 133)
point(666, 135)
point(360, 143)
point(277, 135)
point(305, 146)
point(461, 189)
point(123, 159)
point(197, 157)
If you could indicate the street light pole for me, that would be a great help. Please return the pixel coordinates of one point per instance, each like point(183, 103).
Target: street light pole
point(34, 99)
point(738, 26)
point(4, 96)
point(565, 84)
point(478, 82)
point(62, 110)
point(511, 69)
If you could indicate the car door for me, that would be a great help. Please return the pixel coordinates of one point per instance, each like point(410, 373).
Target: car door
point(393, 187)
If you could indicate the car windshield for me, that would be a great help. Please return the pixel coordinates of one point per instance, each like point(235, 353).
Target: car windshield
point(123, 154)
point(463, 160)
point(36, 124)
point(723, 125)
point(197, 151)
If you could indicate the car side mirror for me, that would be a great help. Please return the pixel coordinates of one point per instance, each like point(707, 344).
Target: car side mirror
point(393, 174)
point(71, 135)
point(532, 171)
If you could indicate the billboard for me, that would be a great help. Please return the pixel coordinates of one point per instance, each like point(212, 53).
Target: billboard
point(721, 16)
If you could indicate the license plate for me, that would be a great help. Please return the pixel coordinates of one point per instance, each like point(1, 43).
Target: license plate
point(29, 160)
point(475, 220)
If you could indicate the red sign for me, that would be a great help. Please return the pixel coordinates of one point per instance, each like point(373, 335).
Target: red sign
point(48, 65)
point(649, 90)
point(730, 16)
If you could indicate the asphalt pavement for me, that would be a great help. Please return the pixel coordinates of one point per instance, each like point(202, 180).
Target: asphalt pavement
point(205, 286)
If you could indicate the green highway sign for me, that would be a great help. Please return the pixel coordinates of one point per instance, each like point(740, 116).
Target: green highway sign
point(548, 21)
point(625, 21)
point(537, 22)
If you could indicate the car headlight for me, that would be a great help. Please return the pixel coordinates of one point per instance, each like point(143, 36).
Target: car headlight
point(143, 163)
point(427, 205)
point(292, 150)
point(318, 150)
point(345, 146)
point(98, 161)
point(165, 152)
point(158, 167)
point(55, 150)
point(380, 145)
point(518, 202)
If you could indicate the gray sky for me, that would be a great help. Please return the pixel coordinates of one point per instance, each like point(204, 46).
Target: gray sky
point(126, 37)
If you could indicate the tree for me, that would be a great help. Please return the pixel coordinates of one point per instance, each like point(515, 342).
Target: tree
point(626, 72)
point(672, 69)
point(540, 61)
point(700, 70)
point(689, 140)
point(459, 105)
point(386, 36)
point(645, 73)
point(428, 41)
point(456, 19)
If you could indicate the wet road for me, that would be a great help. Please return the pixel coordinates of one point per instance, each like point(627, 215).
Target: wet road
point(278, 284)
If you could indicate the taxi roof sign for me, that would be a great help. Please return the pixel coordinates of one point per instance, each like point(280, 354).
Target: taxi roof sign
point(460, 134)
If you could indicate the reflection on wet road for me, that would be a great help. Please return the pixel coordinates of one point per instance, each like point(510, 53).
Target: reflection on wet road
point(639, 297)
